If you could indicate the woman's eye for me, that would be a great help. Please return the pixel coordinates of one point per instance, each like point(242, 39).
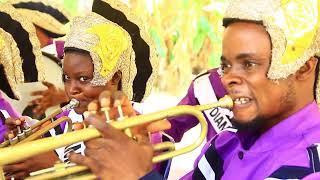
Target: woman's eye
point(83, 79)
point(65, 77)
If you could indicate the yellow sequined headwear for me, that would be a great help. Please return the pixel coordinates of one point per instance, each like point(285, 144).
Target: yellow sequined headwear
point(20, 55)
point(46, 14)
point(116, 42)
point(293, 26)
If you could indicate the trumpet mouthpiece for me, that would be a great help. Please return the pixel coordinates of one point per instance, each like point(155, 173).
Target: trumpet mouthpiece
point(72, 104)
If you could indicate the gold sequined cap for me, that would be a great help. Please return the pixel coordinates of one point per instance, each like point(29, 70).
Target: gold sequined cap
point(293, 26)
point(46, 14)
point(20, 57)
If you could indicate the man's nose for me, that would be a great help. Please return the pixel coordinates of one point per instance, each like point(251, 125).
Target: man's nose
point(231, 78)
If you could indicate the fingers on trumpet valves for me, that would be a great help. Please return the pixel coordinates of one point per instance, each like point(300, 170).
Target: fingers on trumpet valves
point(109, 107)
point(16, 124)
point(27, 129)
point(21, 135)
point(13, 139)
point(119, 97)
point(23, 128)
point(105, 101)
point(105, 111)
point(119, 100)
point(93, 108)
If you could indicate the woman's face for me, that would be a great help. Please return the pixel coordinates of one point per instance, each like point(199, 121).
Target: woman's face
point(77, 75)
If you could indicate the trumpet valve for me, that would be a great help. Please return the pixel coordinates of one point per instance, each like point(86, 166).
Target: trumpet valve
point(21, 136)
point(13, 139)
point(105, 110)
point(121, 117)
point(27, 132)
point(120, 112)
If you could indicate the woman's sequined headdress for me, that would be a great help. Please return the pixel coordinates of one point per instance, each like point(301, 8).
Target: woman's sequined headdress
point(294, 28)
point(116, 41)
point(109, 46)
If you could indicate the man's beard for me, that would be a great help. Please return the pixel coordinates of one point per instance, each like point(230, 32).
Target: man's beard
point(253, 126)
point(258, 123)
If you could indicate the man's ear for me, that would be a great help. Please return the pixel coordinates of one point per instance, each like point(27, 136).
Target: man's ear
point(308, 69)
point(116, 78)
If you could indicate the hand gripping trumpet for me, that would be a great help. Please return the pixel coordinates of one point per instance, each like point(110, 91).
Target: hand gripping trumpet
point(28, 133)
point(26, 150)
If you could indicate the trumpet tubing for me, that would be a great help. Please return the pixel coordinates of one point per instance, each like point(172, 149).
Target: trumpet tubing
point(34, 135)
point(72, 104)
point(28, 149)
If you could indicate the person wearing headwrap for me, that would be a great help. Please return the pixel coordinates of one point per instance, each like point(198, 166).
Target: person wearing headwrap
point(19, 60)
point(110, 54)
point(270, 69)
point(104, 57)
point(50, 19)
point(109, 50)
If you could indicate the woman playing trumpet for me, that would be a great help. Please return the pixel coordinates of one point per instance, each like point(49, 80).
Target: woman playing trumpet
point(102, 52)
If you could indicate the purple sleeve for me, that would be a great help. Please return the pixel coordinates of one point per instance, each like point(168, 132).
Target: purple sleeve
point(5, 105)
point(59, 48)
point(181, 124)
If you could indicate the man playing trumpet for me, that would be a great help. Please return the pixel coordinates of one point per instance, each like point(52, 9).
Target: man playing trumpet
point(270, 69)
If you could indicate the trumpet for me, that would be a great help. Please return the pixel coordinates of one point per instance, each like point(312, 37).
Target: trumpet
point(28, 149)
point(28, 134)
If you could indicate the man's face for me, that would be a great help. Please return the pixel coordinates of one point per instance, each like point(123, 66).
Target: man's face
point(245, 62)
